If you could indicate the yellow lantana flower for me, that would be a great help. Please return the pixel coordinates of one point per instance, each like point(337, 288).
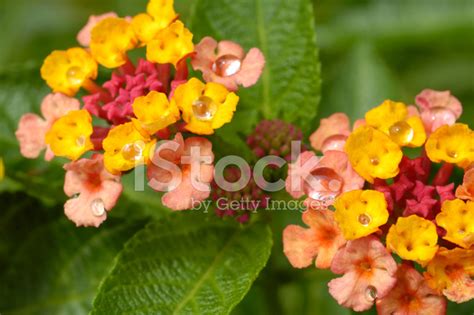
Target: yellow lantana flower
point(372, 154)
point(154, 112)
point(70, 135)
point(392, 119)
point(205, 107)
point(170, 45)
point(111, 38)
point(65, 71)
point(125, 147)
point(457, 218)
point(450, 273)
point(413, 238)
point(360, 213)
point(160, 14)
point(451, 144)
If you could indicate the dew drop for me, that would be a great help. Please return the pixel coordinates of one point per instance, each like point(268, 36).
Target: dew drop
point(401, 132)
point(323, 184)
point(374, 161)
point(97, 207)
point(132, 151)
point(226, 65)
point(370, 293)
point(442, 114)
point(364, 219)
point(204, 108)
point(336, 143)
point(75, 75)
point(453, 154)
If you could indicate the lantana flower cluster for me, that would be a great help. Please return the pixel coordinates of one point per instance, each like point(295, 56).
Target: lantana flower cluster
point(397, 228)
point(144, 114)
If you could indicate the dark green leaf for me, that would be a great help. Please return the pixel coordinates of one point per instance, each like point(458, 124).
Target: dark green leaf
point(185, 264)
point(48, 266)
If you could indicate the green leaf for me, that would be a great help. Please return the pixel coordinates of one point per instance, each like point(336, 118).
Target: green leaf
point(186, 263)
point(361, 82)
point(289, 87)
point(48, 266)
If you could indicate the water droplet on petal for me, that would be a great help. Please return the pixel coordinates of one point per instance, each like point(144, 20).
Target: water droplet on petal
point(374, 161)
point(133, 151)
point(323, 184)
point(364, 219)
point(75, 75)
point(453, 154)
point(442, 114)
point(335, 142)
point(226, 65)
point(75, 196)
point(97, 207)
point(204, 108)
point(401, 132)
point(370, 293)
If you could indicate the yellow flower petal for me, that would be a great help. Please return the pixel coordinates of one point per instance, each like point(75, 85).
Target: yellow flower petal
point(160, 15)
point(125, 147)
point(360, 212)
point(457, 218)
point(170, 45)
point(110, 40)
point(392, 119)
point(451, 144)
point(70, 135)
point(65, 71)
point(154, 112)
point(372, 154)
point(413, 238)
point(204, 107)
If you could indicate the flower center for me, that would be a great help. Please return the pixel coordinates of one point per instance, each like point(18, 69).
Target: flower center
point(226, 65)
point(401, 132)
point(204, 108)
point(75, 75)
point(81, 141)
point(97, 207)
point(132, 151)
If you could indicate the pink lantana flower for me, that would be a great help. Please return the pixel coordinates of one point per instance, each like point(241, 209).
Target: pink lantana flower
point(229, 65)
point(92, 189)
point(411, 296)
point(368, 273)
point(321, 240)
point(32, 128)
point(466, 190)
point(321, 179)
point(84, 35)
point(185, 175)
point(438, 108)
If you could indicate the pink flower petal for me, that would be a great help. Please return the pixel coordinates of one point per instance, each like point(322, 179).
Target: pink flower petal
point(321, 240)
point(226, 47)
point(294, 183)
point(251, 68)
point(92, 189)
point(438, 108)
point(30, 134)
point(333, 127)
point(466, 190)
point(369, 273)
point(84, 36)
point(411, 295)
point(56, 105)
point(161, 172)
point(205, 56)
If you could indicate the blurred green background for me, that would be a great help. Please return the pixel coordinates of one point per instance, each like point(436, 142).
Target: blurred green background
point(369, 51)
